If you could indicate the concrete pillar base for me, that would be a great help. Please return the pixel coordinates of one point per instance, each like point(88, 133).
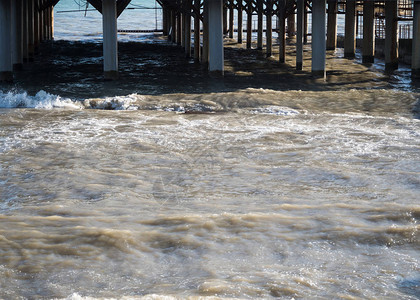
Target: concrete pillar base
point(368, 59)
point(391, 66)
point(216, 74)
point(111, 75)
point(6, 76)
point(318, 74)
point(350, 55)
point(18, 67)
point(415, 74)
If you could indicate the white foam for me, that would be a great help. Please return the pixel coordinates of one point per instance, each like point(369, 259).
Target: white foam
point(42, 100)
point(275, 110)
point(113, 103)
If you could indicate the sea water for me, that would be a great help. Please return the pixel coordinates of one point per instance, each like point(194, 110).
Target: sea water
point(170, 184)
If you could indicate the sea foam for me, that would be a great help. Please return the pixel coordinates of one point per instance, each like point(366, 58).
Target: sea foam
point(42, 100)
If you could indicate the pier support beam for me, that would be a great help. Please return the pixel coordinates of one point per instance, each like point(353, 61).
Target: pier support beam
point(31, 30)
point(415, 58)
point(197, 45)
point(187, 32)
point(350, 29)
point(240, 22)
point(110, 39)
point(290, 21)
point(179, 26)
point(206, 46)
point(260, 24)
point(391, 35)
point(249, 25)
point(25, 38)
point(52, 23)
point(6, 65)
point(368, 43)
point(216, 56)
point(269, 29)
point(36, 26)
point(165, 21)
point(282, 30)
point(231, 18)
point(332, 25)
point(318, 38)
point(300, 15)
point(173, 29)
point(17, 38)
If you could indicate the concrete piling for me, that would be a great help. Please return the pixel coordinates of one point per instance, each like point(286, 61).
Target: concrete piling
point(259, 24)
point(391, 35)
point(240, 22)
point(17, 34)
point(332, 25)
point(318, 38)
point(282, 30)
point(415, 58)
point(350, 29)
point(249, 11)
point(300, 15)
point(110, 39)
point(368, 43)
point(216, 56)
point(269, 32)
point(6, 65)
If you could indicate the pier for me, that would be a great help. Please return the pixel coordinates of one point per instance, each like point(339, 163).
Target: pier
point(200, 27)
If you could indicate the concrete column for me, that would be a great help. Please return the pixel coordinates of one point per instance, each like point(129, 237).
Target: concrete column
point(25, 37)
point(36, 26)
point(290, 21)
point(197, 31)
point(165, 21)
point(43, 35)
point(350, 29)
point(17, 38)
point(52, 23)
point(179, 28)
point(110, 36)
point(240, 22)
point(31, 30)
point(205, 54)
point(216, 57)
point(391, 35)
point(318, 38)
point(231, 19)
point(173, 26)
point(187, 23)
point(225, 21)
point(282, 30)
point(6, 65)
point(269, 29)
point(260, 24)
point(305, 26)
point(415, 58)
point(368, 43)
point(41, 22)
point(183, 16)
point(300, 15)
point(249, 25)
point(332, 25)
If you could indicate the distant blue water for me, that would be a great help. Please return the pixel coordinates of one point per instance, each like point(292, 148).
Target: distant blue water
point(77, 26)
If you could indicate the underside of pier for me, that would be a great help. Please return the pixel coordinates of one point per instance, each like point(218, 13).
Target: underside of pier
point(201, 26)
